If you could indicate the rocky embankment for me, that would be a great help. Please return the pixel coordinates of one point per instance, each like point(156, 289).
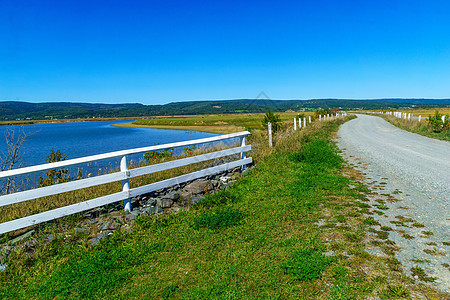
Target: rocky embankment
point(102, 222)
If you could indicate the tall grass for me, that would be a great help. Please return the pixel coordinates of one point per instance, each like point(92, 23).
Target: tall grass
point(423, 128)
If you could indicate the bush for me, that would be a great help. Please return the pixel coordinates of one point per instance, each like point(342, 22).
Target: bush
point(219, 218)
point(54, 176)
point(275, 120)
point(217, 199)
point(436, 122)
point(153, 155)
point(307, 264)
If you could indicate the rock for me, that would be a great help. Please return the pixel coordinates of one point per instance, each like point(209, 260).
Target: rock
point(199, 187)
point(196, 199)
point(152, 210)
point(50, 237)
point(22, 237)
point(109, 225)
point(82, 230)
point(5, 251)
point(129, 217)
point(3, 267)
point(100, 237)
point(152, 202)
point(136, 211)
point(174, 196)
point(225, 179)
point(185, 196)
point(165, 203)
point(29, 245)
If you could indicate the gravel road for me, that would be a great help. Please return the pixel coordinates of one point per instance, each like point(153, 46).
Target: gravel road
point(416, 171)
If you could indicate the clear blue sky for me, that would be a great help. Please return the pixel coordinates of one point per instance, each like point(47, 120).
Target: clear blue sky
point(155, 52)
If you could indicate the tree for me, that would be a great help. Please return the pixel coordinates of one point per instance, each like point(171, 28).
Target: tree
point(15, 137)
point(275, 120)
point(55, 176)
point(436, 122)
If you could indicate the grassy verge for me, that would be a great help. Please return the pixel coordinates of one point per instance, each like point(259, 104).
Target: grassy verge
point(291, 229)
point(422, 128)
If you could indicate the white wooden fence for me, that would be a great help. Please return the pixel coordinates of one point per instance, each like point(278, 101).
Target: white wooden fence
point(123, 175)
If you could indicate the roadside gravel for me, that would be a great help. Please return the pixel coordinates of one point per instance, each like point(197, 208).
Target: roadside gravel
point(416, 171)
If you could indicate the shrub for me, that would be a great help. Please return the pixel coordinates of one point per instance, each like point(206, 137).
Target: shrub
point(307, 264)
point(54, 176)
point(275, 120)
point(153, 155)
point(219, 218)
point(436, 122)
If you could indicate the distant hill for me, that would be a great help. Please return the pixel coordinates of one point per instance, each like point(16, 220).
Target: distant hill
point(13, 110)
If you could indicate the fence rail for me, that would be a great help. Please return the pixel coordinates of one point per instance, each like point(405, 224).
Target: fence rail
point(123, 175)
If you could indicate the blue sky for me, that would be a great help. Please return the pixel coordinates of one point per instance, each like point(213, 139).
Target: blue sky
point(155, 52)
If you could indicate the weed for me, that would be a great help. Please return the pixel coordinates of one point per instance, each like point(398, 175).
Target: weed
point(394, 292)
point(427, 232)
point(386, 228)
point(371, 221)
point(420, 273)
point(408, 236)
point(418, 225)
point(307, 264)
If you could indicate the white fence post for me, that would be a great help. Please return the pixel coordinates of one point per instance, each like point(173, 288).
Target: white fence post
point(269, 127)
point(420, 118)
point(443, 119)
point(243, 154)
point(304, 122)
point(295, 123)
point(309, 117)
point(320, 117)
point(125, 183)
point(299, 123)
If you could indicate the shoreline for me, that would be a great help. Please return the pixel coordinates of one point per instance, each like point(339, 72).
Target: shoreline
point(209, 129)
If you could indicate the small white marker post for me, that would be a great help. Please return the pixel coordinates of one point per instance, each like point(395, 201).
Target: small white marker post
point(299, 123)
point(125, 183)
point(304, 122)
point(295, 123)
point(443, 119)
point(309, 121)
point(320, 117)
point(420, 118)
point(269, 127)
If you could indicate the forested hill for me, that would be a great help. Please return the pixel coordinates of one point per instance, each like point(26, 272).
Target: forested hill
point(13, 110)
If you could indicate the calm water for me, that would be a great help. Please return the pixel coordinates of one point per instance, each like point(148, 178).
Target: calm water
point(89, 138)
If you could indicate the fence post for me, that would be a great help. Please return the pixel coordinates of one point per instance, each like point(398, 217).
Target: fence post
point(243, 154)
point(299, 123)
point(304, 122)
point(125, 183)
point(443, 119)
point(320, 117)
point(295, 123)
point(269, 127)
point(309, 117)
point(420, 118)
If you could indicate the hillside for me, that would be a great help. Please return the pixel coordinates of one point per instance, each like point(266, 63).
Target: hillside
point(13, 110)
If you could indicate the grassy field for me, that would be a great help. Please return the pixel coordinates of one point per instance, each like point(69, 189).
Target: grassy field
point(215, 123)
point(294, 228)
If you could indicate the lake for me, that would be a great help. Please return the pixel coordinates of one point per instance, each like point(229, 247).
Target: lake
point(80, 139)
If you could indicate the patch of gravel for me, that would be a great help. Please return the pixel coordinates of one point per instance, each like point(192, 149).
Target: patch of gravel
point(410, 176)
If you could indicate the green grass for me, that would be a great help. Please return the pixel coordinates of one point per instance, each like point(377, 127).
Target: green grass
point(255, 240)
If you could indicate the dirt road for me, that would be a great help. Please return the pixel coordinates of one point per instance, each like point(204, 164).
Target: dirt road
point(416, 171)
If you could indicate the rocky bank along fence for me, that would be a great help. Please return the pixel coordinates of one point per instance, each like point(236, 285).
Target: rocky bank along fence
point(124, 174)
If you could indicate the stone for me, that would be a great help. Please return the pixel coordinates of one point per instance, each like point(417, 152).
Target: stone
point(5, 251)
point(199, 187)
point(136, 211)
point(152, 210)
point(196, 199)
point(22, 237)
point(3, 267)
point(185, 196)
point(50, 237)
point(174, 196)
point(225, 179)
point(129, 217)
point(165, 203)
point(82, 230)
point(109, 225)
point(152, 202)
point(100, 237)
point(29, 245)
